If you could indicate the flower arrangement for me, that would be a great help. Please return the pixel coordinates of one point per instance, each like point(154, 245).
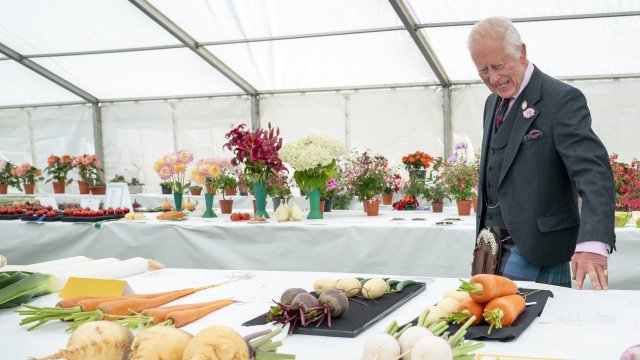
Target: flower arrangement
point(407, 203)
point(27, 174)
point(417, 161)
point(460, 175)
point(369, 184)
point(279, 186)
point(58, 168)
point(88, 168)
point(394, 182)
point(172, 169)
point(435, 192)
point(258, 150)
point(313, 156)
point(206, 172)
point(627, 178)
point(357, 164)
point(6, 175)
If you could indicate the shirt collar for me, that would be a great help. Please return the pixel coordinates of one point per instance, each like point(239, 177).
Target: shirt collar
point(527, 76)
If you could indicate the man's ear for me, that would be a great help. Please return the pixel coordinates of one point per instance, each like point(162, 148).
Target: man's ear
point(523, 56)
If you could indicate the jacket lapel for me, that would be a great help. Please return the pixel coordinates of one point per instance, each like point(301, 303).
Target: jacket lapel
point(532, 95)
point(488, 126)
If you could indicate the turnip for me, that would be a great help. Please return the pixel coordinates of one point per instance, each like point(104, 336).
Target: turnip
point(350, 286)
point(335, 300)
point(374, 288)
point(632, 353)
point(97, 340)
point(288, 295)
point(160, 343)
point(411, 336)
point(431, 348)
point(323, 284)
point(381, 346)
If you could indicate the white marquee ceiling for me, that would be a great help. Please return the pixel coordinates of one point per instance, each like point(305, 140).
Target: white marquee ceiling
point(112, 50)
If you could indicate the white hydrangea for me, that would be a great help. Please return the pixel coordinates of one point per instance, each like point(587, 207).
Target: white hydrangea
point(311, 150)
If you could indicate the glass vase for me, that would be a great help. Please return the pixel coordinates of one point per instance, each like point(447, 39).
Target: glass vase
point(314, 205)
point(208, 201)
point(260, 193)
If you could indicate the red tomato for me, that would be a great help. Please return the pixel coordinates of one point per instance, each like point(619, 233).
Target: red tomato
point(87, 209)
point(93, 213)
point(29, 207)
point(51, 214)
point(126, 210)
point(246, 216)
point(77, 213)
point(236, 217)
point(39, 212)
point(99, 213)
point(118, 211)
point(3, 211)
point(29, 213)
point(19, 211)
point(66, 212)
point(11, 211)
point(110, 211)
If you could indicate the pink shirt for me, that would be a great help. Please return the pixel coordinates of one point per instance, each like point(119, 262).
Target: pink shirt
point(597, 247)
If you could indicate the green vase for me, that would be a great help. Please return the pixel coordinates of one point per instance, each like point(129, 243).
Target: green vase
point(314, 204)
point(177, 197)
point(260, 193)
point(208, 201)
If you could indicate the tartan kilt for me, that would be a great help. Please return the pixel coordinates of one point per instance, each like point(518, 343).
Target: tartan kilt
point(514, 266)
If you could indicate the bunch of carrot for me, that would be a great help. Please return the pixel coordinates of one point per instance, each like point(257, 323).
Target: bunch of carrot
point(83, 309)
point(176, 315)
point(494, 298)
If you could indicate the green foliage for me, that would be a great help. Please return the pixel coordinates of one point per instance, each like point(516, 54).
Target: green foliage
point(341, 201)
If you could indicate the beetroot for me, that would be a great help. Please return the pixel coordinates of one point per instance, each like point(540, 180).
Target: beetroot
point(335, 300)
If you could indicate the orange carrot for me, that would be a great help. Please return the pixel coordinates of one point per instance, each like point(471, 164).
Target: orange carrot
point(159, 314)
point(465, 311)
point(171, 215)
point(504, 310)
point(73, 301)
point(183, 317)
point(484, 287)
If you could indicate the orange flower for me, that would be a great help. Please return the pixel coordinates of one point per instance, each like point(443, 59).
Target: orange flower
point(404, 159)
point(65, 159)
point(417, 152)
point(412, 159)
point(51, 160)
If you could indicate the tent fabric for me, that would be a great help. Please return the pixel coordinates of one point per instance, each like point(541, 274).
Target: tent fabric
point(348, 68)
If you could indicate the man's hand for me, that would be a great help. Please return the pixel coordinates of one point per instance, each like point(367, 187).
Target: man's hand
point(583, 263)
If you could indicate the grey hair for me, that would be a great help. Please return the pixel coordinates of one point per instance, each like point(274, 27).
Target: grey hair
point(496, 28)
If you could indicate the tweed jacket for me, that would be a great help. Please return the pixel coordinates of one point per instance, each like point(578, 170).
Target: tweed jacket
point(541, 178)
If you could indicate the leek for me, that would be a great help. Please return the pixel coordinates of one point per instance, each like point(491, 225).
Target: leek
point(27, 287)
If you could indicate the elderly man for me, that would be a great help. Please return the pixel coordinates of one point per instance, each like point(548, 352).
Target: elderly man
point(538, 154)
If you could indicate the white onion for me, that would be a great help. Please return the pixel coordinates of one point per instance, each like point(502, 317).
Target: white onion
point(411, 336)
point(381, 346)
point(432, 348)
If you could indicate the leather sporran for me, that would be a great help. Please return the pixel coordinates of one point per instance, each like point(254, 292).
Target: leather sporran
point(487, 253)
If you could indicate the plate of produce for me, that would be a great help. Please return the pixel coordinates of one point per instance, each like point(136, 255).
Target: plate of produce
point(345, 307)
point(502, 310)
point(88, 215)
point(13, 216)
point(42, 216)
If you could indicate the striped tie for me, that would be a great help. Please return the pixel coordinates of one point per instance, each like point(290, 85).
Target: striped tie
point(502, 110)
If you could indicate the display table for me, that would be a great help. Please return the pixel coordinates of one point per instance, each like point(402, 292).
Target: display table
point(345, 241)
point(592, 330)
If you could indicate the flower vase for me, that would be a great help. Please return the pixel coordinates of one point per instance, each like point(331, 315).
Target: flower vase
point(373, 206)
point(437, 207)
point(314, 205)
point(58, 187)
point(83, 187)
point(4, 188)
point(208, 201)
point(387, 199)
point(29, 188)
point(177, 198)
point(464, 207)
point(260, 193)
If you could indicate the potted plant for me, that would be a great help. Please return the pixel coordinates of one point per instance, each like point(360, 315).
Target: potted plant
point(331, 190)
point(90, 172)
point(417, 164)
point(226, 180)
point(406, 203)
point(627, 178)
point(258, 150)
point(58, 168)
point(195, 190)
point(394, 182)
point(460, 178)
point(165, 186)
point(6, 177)
point(205, 175)
point(172, 169)
point(27, 175)
point(313, 156)
point(369, 184)
point(279, 188)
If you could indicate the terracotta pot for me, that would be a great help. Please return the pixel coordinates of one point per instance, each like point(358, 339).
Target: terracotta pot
point(98, 190)
point(195, 192)
point(3, 188)
point(365, 205)
point(464, 207)
point(387, 199)
point(84, 187)
point(58, 187)
point(475, 204)
point(226, 206)
point(211, 188)
point(373, 207)
point(437, 206)
point(29, 188)
point(322, 207)
point(229, 191)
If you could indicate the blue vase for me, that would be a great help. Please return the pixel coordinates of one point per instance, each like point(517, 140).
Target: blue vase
point(260, 193)
point(314, 204)
point(208, 200)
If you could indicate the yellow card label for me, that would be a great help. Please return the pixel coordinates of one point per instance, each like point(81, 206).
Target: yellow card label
point(94, 287)
point(505, 357)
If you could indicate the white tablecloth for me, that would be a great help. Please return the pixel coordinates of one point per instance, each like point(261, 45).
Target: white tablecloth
point(345, 241)
point(614, 326)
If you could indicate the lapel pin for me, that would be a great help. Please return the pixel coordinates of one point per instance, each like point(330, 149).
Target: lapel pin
point(524, 105)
